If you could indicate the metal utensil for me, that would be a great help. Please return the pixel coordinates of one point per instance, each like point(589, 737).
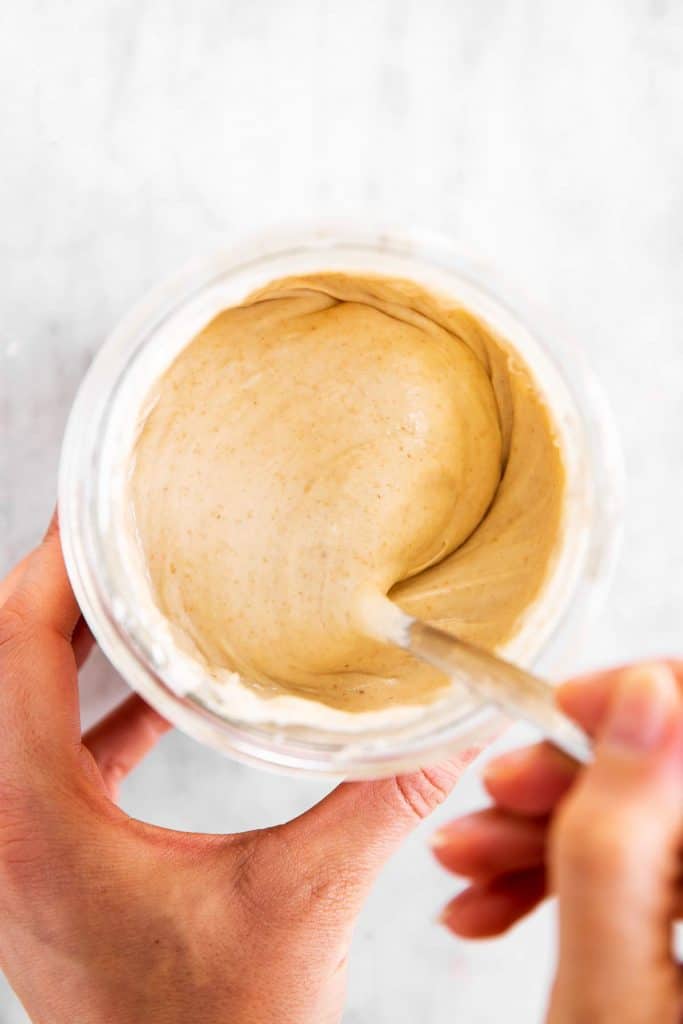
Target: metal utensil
point(515, 691)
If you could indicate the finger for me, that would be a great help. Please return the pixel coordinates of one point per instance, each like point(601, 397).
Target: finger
point(531, 780)
point(42, 596)
point(490, 908)
point(534, 779)
point(352, 832)
point(39, 715)
point(8, 585)
point(587, 698)
point(614, 855)
point(121, 740)
point(490, 843)
point(82, 642)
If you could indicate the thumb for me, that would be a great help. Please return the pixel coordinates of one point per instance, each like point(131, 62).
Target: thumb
point(353, 831)
point(615, 857)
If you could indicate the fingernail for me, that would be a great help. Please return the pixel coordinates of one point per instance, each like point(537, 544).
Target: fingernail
point(443, 918)
point(438, 839)
point(642, 709)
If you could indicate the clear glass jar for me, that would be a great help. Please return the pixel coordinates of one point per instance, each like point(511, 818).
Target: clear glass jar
point(101, 431)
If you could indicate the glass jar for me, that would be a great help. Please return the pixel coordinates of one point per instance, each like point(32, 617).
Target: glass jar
point(100, 554)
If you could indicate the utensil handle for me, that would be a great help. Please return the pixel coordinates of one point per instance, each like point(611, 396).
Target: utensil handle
point(517, 692)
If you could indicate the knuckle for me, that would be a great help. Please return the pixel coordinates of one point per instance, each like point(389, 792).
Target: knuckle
point(329, 889)
point(14, 626)
point(260, 888)
point(113, 770)
point(421, 792)
point(288, 899)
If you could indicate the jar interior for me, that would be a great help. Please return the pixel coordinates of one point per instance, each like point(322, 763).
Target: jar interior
point(105, 561)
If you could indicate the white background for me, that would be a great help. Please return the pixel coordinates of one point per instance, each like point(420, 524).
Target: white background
point(545, 136)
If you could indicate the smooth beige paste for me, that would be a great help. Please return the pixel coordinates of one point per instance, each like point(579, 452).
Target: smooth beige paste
point(334, 439)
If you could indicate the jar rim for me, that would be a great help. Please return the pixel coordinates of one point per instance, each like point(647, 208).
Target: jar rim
point(86, 525)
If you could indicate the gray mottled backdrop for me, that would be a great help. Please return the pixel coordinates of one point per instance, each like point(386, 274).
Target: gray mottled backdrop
point(545, 136)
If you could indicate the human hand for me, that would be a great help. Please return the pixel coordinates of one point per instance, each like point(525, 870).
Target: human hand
point(108, 919)
point(608, 839)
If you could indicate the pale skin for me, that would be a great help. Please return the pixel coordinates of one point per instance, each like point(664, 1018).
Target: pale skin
point(608, 841)
point(109, 919)
point(105, 918)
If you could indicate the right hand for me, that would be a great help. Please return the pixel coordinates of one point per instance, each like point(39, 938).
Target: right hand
point(607, 839)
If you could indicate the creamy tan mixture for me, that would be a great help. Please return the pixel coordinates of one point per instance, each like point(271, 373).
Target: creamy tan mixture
point(334, 439)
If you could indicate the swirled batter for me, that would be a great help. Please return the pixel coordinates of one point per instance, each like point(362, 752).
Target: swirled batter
point(333, 439)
